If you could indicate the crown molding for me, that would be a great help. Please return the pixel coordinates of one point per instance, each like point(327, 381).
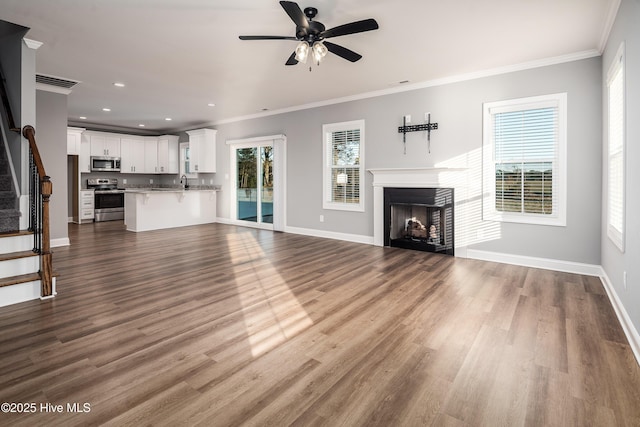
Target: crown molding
point(608, 24)
point(577, 56)
point(32, 44)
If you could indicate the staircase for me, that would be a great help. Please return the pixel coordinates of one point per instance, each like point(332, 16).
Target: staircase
point(25, 257)
point(19, 264)
point(9, 214)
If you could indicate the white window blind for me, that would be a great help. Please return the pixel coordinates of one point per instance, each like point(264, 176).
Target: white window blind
point(343, 149)
point(616, 158)
point(524, 146)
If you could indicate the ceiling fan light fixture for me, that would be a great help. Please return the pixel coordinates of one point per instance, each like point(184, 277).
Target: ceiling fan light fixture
point(302, 51)
point(319, 51)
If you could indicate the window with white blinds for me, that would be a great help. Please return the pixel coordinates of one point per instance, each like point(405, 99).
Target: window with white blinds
point(343, 151)
point(524, 150)
point(615, 150)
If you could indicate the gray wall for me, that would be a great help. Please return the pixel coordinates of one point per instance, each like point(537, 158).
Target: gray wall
point(11, 62)
point(614, 262)
point(51, 136)
point(457, 108)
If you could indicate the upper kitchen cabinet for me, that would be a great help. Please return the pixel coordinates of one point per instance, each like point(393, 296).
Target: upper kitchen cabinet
point(84, 162)
point(151, 155)
point(132, 154)
point(74, 140)
point(104, 144)
point(202, 150)
point(168, 154)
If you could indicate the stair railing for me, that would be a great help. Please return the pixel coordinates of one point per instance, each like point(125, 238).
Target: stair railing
point(40, 190)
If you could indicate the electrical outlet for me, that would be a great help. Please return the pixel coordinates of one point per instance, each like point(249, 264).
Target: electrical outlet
point(202, 181)
point(211, 181)
point(321, 218)
point(407, 118)
point(624, 280)
point(174, 181)
point(151, 181)
point(124, 181)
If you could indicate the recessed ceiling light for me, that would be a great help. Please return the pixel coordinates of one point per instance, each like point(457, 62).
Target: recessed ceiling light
point(211, 104)
point(141, 125)
point(118, 84)
point(106, 109)
point(82, 118)
point(168, 119)
point(403, 82)
point(264, 109)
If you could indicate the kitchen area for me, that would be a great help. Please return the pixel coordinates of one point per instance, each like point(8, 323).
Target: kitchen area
point(148, 182)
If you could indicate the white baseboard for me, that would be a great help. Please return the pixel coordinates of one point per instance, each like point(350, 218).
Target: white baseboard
point(544, 263)
point(60, 242)
point(355, 238)
point(627, 325)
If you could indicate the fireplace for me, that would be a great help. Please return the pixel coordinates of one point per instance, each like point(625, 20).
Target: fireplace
point(419, 218)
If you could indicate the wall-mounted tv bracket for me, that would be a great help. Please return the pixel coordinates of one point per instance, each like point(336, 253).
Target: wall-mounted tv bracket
point(428, 127)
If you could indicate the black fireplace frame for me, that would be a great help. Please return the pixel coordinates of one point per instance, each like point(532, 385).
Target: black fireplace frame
point(440, 198)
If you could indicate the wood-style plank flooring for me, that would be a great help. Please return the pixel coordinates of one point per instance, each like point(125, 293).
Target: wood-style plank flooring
point(219, 325)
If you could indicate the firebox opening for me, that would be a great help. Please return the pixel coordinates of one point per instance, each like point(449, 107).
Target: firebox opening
point(420, 219)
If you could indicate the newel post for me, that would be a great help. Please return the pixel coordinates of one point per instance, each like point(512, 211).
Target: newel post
point(46, 187)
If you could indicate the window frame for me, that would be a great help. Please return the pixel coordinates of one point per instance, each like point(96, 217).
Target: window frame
point(327, 196)
point(614, 233)
point(559, 178)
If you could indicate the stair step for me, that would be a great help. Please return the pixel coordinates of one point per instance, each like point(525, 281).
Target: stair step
point(9, 220)
point(16, 241)
point(15, 280)
point(17, 255)
point(16, 233)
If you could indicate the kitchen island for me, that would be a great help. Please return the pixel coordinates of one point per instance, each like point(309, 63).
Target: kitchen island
point(158, 208)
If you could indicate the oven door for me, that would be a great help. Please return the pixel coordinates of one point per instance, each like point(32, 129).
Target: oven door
point(109, 200)
point(109, 206)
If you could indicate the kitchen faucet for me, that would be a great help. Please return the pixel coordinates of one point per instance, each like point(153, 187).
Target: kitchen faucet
point(185, 182)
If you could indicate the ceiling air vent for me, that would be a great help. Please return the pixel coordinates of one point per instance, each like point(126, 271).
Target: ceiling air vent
point(55, 81)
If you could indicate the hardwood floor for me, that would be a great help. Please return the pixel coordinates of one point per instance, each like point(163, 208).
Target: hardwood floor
point(221, 325)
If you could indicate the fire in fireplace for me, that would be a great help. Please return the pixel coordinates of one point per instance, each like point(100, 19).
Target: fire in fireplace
point(419, 218)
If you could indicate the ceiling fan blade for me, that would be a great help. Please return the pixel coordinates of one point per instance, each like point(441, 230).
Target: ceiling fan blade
point(352, 28)
point(267, 38)
point(342, 52)
point(295, 13)
point(292, 59)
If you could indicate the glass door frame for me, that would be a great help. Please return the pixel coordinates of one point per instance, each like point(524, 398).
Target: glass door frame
point(278, 144)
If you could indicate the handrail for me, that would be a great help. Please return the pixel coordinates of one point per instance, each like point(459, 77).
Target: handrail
point(5, 102)
point(29, 132)
point(40, 191)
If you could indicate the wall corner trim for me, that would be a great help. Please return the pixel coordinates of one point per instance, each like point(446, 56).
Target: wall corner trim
point(625, 321)
point(56, 243)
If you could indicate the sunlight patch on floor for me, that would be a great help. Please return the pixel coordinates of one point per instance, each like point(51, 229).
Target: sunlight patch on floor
point(272, 313)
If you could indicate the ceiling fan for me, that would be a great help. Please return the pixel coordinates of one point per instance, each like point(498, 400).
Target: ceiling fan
point(311, 35)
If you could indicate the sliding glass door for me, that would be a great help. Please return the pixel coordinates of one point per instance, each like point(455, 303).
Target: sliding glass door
point(254, 184)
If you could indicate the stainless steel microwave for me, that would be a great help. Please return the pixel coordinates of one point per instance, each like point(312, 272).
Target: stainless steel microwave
point(105, 164)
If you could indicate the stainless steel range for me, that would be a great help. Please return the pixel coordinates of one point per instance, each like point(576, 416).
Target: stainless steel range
point(109, 199)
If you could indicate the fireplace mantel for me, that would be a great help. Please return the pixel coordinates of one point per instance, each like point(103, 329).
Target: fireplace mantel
point(411, 177)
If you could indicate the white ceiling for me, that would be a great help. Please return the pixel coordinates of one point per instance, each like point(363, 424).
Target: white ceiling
point(176, 56)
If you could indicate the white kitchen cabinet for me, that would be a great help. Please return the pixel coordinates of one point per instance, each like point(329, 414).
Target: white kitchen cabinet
point(151, 155)
point(105, 144)
point(168, 154)
point(132, 154)
point(202, 150)
point(87, 206)
point(84, 162)
point(74, 139)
